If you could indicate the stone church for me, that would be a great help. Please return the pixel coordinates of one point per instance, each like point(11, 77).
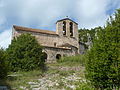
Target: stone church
point(59, 43)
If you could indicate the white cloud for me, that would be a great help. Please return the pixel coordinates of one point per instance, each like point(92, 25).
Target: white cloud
point(5, 38)
point(44, 13)
point(91, 13)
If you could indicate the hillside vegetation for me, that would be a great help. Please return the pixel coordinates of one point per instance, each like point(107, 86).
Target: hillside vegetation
point(103, 59)
point(65, 74)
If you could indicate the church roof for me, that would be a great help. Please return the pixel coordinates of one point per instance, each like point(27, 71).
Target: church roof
point(20, 28)
point(67, 19)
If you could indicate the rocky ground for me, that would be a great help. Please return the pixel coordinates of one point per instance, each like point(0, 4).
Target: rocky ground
point(61, 83)
point(56, 78)
point(61, 78)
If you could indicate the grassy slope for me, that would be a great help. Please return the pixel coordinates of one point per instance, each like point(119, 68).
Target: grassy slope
point(67, 73)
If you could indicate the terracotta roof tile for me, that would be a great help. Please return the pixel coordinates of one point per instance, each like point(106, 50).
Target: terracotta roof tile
point(34, 30)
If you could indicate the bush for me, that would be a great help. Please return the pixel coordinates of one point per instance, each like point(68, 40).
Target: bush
point(78, 59)
point(85, 86)
point(3, 65)
point(25, 53)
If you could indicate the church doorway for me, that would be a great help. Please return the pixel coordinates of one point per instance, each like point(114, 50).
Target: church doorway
point(58, 56)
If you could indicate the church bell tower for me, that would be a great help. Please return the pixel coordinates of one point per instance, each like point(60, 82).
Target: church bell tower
point(67, 27)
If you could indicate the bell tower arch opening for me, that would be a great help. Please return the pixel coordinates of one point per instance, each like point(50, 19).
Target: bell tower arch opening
point(64, 28)
point(71, 29)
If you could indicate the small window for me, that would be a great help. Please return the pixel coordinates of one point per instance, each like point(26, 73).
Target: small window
point(55, 44)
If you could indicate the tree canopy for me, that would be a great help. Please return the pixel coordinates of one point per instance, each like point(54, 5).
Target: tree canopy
point(25, 53)
point(103, 60)
point(3, 65)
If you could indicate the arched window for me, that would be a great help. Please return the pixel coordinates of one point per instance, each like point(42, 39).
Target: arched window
point(64, 28)
point(58, 56)
point(71, 29)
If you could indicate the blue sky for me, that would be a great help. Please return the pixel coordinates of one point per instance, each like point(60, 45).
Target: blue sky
point(43, 14)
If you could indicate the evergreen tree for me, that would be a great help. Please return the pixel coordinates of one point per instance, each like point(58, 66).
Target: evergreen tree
point(3, 65)
point(25, 53)
point(103, 60)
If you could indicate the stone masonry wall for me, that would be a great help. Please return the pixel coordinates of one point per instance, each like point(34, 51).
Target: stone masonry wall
point(51, 41)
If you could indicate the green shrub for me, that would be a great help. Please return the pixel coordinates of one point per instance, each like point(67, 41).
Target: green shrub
point(78, 59)
point(3, 65)
point(25, 53)
point(84, 86)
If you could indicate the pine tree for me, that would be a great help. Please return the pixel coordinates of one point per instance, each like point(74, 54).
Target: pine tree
point(103, 60)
